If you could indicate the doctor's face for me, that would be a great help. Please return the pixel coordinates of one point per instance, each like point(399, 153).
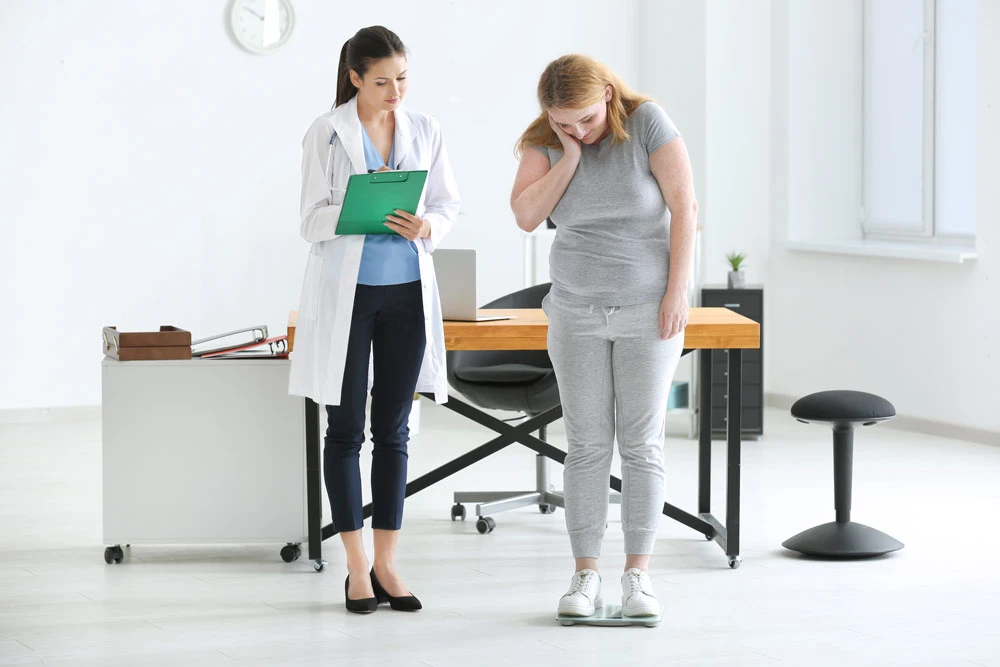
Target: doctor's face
point(384, 84)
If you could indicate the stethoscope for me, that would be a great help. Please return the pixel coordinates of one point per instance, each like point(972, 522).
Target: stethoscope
point(329, 162)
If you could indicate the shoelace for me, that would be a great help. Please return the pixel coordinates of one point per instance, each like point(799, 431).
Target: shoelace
point(635, 583)
point(580, 582)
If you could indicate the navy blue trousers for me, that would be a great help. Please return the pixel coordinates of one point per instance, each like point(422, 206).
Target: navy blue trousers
point(388, 320)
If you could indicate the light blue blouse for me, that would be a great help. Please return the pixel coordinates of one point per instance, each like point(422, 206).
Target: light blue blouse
point(387, 259)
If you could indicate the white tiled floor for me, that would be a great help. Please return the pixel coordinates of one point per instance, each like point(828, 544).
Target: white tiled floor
point(490, 600)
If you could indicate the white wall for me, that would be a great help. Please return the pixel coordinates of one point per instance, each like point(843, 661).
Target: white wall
point(672, 70)
point(708, 64)
point(150, 175)
point(150, 168)
point(738, 76)
point(768, 97)
point(922, 334)
point(824, 123)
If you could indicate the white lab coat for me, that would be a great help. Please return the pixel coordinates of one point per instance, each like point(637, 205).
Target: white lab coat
point(327, 301)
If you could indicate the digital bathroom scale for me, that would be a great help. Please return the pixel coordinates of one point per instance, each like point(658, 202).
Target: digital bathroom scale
point(611, 615)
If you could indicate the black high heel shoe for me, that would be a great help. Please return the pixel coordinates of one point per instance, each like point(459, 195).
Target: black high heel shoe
point(362, 606)
point(405, 603)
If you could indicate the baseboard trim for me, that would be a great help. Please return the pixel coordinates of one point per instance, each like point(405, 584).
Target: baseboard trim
point(909, 423)
point(72, 413)
point(772, 400)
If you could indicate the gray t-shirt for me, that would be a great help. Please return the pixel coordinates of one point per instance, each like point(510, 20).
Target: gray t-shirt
point(612, 226)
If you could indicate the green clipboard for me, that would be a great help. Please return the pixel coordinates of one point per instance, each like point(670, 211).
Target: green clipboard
point(371, 197)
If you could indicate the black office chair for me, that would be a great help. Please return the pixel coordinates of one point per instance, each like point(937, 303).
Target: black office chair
point(514, 380)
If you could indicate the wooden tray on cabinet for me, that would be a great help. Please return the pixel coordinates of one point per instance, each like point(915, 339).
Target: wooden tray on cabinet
point(167, 343)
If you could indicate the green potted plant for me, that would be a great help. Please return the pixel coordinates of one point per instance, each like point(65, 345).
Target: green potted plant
point(737, 279)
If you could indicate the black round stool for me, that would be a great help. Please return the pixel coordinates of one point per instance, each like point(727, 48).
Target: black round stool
point(843, 538)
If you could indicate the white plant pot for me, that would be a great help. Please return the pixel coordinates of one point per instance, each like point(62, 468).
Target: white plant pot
point(737, 280)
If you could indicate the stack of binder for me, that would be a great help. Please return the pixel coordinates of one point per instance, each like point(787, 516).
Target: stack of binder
point(249, 343)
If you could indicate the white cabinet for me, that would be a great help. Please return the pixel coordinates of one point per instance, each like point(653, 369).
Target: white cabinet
point(202, 451)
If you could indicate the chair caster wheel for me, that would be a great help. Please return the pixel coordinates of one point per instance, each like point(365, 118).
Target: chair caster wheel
point(734, 562)
point(485, 524)
point(290, 552)
point(114, 554)
point(547, 509)
point(458, 512)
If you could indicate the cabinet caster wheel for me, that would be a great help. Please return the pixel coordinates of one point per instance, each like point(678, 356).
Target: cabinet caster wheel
point(319, 565)
point(114, 555)
point(485, 525)
point(734, 562)
point(458, 512)
point(547, 509)
point(290, 552)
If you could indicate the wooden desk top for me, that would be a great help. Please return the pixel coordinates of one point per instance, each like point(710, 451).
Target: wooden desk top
point(708, 328)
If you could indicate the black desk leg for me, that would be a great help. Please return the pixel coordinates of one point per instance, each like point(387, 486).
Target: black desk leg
point(734, 435)
point(705, 433)
point(314, 477)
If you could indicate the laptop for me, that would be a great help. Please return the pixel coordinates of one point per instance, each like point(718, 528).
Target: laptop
point(456, 279)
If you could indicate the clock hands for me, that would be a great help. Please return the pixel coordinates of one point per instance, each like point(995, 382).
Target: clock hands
point(274, 22)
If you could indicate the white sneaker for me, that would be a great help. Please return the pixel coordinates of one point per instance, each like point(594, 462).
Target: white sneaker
point(638, 598)
point(583, 596)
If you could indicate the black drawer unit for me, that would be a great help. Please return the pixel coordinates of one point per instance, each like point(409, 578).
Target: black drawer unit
point(750, 303)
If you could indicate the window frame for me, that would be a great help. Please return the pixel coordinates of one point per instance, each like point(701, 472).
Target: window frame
point(882, 230)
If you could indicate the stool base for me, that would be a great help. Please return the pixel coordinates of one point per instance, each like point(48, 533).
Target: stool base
point(842, 540)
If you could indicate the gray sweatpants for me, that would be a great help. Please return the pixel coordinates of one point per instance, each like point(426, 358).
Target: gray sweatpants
point(614, 374)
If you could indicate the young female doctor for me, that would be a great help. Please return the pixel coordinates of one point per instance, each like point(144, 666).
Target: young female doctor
point(371, 297)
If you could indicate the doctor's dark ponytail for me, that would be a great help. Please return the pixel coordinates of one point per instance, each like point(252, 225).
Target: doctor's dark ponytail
point(358, 53)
